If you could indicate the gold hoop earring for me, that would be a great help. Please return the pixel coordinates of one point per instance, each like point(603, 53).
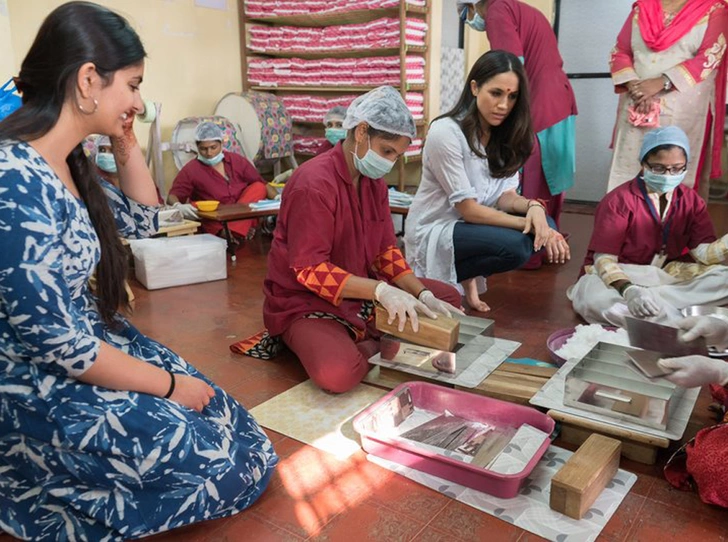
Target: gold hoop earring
point(96, 106)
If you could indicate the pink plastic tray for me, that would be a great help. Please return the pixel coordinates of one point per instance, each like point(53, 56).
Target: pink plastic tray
point(435, 398)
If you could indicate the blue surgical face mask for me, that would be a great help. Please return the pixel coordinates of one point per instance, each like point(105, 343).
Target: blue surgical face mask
point(477, 23)
point(662, 183)
point(372, 165)
point(334, 135)
point(211, 161)
point(106, 162)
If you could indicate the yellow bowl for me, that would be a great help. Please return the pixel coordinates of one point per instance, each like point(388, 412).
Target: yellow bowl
point(207, 206)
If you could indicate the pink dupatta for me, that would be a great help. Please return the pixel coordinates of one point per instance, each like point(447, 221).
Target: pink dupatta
point(659, 37)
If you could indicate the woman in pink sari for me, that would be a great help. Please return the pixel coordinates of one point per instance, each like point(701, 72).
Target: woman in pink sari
point(668, 67)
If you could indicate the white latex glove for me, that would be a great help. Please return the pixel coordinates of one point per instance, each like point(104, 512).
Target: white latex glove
point(399, 304)
point(437, 305)
point(713, 330)
point(695, 371)
point(642, 302)
point(187, 209)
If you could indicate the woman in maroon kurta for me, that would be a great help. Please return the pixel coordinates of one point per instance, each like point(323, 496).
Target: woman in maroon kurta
point(523, 30)
point(218, 175)
point(334, 251)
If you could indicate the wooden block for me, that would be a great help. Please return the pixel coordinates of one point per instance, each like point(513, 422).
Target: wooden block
point(441, 334)
point(580, 481)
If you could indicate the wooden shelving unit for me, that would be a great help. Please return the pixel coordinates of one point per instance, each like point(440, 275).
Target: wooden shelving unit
point(403, 12)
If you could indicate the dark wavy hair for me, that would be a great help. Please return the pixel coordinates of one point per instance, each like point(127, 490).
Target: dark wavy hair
point(72, 35)
point(511, 143)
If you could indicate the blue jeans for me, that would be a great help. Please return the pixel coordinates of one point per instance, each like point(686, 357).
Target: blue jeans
point(482, 250)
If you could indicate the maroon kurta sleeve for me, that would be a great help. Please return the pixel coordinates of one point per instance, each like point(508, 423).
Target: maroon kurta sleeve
point(183, 186)
point(701, 230)
point(611, 222)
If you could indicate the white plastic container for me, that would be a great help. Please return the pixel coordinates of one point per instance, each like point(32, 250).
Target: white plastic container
point(176, 261)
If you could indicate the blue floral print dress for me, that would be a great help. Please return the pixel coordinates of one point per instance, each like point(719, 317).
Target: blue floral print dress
point(81, 462)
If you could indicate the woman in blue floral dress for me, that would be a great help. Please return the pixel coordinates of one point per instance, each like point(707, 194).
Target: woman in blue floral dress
point(105, 434)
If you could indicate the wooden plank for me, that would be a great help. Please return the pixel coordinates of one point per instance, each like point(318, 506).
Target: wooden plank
point(610, 430)
point(580, 481)
point(390, 378)
point(188, 227)
point(532, 370)
point(441, 334)
point(511, 387)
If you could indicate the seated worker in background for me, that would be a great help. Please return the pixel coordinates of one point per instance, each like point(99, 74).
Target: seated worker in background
point(333, 121)
point(131, 214)
point(702, 463)
point(334, 252)
point(103, 156)
point(218, 175)
point(467, 221)
point(653, 250)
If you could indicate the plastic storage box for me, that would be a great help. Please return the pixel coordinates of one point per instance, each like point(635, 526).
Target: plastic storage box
point(438, 399)
point(175, 261)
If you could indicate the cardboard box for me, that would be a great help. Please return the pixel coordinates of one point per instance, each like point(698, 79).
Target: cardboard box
point(176, 261)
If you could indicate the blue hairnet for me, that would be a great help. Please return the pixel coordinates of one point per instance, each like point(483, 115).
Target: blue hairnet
point(669, 135)
point(383, 109)
point(208, 131)
point(337, 112)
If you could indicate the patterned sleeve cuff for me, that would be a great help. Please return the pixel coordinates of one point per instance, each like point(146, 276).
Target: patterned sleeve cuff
point(608, 269)
point(390, 265)
point(325, 280)
point(711, 253)
point(624, 76)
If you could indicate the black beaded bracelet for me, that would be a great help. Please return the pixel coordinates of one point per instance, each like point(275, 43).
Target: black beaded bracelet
point(171, 385)
point(422, 292)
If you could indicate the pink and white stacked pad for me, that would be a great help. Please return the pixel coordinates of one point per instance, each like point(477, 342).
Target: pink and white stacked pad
point(308, 108)
point(378, 34)
point(309, 145)
point(283, 8)
point(371, 71)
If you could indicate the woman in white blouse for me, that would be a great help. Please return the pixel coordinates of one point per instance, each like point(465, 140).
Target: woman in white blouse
point(467, 219)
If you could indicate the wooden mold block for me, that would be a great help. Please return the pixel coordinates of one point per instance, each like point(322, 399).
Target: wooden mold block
point(441, 334)
point(580, 481)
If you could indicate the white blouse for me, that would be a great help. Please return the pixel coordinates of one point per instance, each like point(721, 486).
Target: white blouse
point(451, 173)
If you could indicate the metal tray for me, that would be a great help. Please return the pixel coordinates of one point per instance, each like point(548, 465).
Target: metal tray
point(605, 381)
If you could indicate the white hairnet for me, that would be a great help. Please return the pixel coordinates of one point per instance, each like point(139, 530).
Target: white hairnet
point(383, 109)
point(337, 112)
point(208, 131)
point(462, 4)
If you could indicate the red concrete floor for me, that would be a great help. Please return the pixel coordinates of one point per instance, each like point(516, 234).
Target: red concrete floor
point(315, 496)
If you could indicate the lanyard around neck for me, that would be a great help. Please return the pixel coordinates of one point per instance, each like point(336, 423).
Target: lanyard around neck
point(665, 226)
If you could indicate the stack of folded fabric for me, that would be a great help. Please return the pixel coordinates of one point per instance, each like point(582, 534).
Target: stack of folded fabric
point(377, 34)
point(283, 8)
point(265, 205)
point(415, 148)
point(308, 145)
point(399, 199)
point(371, 71)
point(310, 108)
